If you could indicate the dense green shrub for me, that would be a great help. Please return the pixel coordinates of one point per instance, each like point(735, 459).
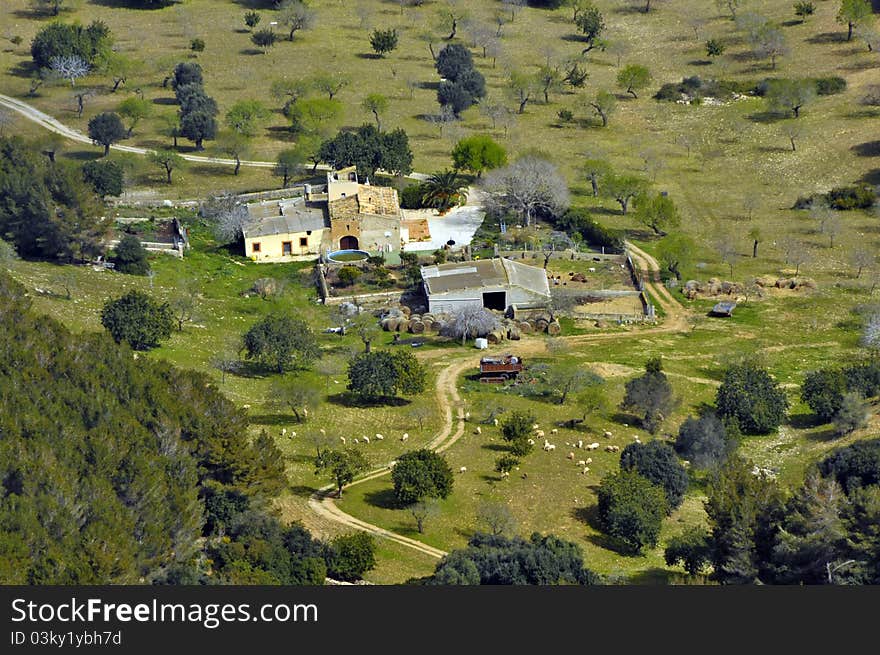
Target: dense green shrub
point(419, 475)
point(656, 461)
point(411, 197)
point(131, 256)
point(861, 196)
point(752, 398)
point(827, 86)
point(138, 319)
point(349, 556)
point(631, 509)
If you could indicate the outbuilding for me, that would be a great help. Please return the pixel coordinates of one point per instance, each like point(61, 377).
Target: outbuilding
point(491, 283)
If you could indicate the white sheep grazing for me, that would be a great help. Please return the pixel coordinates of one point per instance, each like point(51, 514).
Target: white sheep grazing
point(245, 406)
point(379, 437)
point(463, 469)
point(292, 435)
point(531, 442)
point(366, 439)
point(580, 443)
point(404, 436)
point(535, 426)
point(607, 434)
point(478, 430)
point(356, 440)
point(505, 475)
point(392, 463)
point(593, 446)
point(539, 434)
point(554, 431)
point(586, 470)
point(342, 439)
point(467, 416)
point(685, 463)
point(322, 431)
point(495, 422)
point(570, 456)
point(551, 447)
point(581, 463)
point(283, 431)
point(588, 460)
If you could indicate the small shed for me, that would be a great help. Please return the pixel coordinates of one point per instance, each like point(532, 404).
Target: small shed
point(724, 308)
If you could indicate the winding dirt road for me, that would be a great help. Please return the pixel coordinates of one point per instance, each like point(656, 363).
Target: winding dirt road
point(322, 501)
point(47, 122)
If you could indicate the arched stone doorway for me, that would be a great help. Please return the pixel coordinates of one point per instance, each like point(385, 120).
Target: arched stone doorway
point(348, 243)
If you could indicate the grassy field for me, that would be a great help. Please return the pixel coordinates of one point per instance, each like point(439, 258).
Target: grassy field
point(736, 154)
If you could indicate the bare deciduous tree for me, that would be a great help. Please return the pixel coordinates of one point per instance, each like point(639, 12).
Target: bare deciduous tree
point(526, 187)
point(469, 322)
point(861, 259)
point(227, 215)
point(69, 67)
point(727, 252)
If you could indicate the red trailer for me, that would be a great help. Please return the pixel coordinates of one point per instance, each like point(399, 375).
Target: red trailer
point(500, 369)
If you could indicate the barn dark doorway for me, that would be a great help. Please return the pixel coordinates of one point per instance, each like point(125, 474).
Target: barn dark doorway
point(495, 300)
point(348, 243)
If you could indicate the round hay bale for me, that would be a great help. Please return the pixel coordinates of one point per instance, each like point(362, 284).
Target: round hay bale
point(525, 327)
point(402, 325)
point(495, 336)
point(406, 311)
point(428, 323)
point(416, 327)
point(513, 333)
point(389, 324)
point(541, 325)
point(554, 329)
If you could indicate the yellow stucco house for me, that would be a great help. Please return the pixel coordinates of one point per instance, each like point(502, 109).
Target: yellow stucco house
point(284, 230)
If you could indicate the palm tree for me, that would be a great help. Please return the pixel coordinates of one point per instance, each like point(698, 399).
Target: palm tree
point(444, 190)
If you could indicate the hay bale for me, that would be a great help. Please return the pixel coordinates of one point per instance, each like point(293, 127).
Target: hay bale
point(513, 333)
point(554, 329)
point(541, 325)
point(416, 327)
point(525, 327)
point(406, 311)
point(403, 325)
point(389, 324)
point(495, 336)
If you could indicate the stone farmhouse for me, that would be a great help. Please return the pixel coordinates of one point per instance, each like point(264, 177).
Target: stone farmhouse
point(498, 283)
point(344, 214)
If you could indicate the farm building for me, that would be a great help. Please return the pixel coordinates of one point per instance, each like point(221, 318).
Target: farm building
point(284, 229)
point(491, 283)
point(344, 214)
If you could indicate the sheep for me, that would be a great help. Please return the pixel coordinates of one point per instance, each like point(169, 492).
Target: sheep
point(607, 434)
point(581, 463)
point(495, 422)
point(570, 456)
point(404, 436)
point(245, 407)
point(539, 434)
point(356, 440)
point(535, 426)
point(586, 470)
point(478, 430)
point(550, 447)
point(342, 439)
point(686, 463)
point(554, 431)
point(292, 434)
point(392, 463)
point(322, 431)
point(365, 439)
point(379, 437)
point(283, 431)
point(589, 460)
point(593, 446)
point(463, 469)
point(531, 442)
point(467, 416)
point(580, 443)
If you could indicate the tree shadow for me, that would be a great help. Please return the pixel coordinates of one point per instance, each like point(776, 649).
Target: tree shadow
point(803, 421)
point(23, 69)
point(251, 51)
point(773, 149)
point(250, 370)
point(302, 490)
point(766, 117)
point(825, 435)
point(700, 62)
point(791, 23)
point(165, 101)
point(84, 155)
point(625, 418)
point(827, 37)
point(860, 66)
point(495, 447)
point(350, 399)
point(867, 149)
point(382, 498)
point(367, 55)
point(871, 177)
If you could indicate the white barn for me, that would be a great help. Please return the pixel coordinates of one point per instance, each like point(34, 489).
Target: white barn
point(491, 283)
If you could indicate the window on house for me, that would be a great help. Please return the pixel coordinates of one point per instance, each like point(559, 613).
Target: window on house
point(255, 246)
point(303, 242)
point(286, 248)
